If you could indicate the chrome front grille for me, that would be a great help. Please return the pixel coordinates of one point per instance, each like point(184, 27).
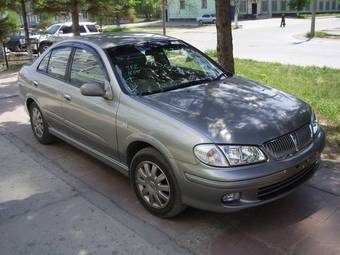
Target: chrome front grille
point(289, 144)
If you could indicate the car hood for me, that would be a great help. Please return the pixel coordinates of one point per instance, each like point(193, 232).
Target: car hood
point(234, 110)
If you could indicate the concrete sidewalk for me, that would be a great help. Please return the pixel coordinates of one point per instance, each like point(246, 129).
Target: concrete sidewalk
point(41, 214)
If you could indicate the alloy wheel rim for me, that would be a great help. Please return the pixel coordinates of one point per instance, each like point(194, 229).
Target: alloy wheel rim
point(37, 121)
point(152, 184)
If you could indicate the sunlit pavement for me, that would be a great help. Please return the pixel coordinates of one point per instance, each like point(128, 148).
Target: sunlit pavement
point(58, 200)
point(264, 40)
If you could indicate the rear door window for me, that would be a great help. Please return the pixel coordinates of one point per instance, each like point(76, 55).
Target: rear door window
point(58, 62)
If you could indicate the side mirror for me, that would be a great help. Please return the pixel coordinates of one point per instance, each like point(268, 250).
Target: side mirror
point(92, 89)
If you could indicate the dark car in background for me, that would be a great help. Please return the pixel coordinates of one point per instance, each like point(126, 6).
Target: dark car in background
point(17, 42)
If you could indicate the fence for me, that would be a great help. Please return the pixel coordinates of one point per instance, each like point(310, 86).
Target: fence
point(10, 59)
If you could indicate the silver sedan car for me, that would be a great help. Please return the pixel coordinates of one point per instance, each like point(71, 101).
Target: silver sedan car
point(185, 131)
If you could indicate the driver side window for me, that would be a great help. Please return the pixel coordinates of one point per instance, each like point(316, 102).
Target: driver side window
point(86, 68)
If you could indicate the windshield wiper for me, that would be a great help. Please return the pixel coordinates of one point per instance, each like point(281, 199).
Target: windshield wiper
point(179, 86)
point(218, 77)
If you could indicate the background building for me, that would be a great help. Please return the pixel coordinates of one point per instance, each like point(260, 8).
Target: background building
point(190, 9)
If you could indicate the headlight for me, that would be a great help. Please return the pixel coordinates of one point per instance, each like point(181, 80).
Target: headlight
point(314, 123)
point(228, 155)
point(242, 155)
point(210, 154)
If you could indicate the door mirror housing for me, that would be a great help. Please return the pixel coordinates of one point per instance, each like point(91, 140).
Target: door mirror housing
point(92, 89)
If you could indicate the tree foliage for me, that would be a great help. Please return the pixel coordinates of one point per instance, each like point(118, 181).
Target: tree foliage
point(149, 8)
point(117, 9)
point(298, 5)
point(9, 23)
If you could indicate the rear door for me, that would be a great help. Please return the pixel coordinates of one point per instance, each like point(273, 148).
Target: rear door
point(48, 82)
point(90, 120)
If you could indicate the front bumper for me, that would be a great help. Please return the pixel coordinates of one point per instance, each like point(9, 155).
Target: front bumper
point(203, 187)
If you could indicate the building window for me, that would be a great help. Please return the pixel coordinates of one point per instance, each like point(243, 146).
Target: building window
point(307, 8)
point(320, 6)
point(182, 4)
point(327, 5)
point(204, 4)
point(264, 6)
point(333, 5)
point(283, 5)
point(274, 6)
point(243, 6)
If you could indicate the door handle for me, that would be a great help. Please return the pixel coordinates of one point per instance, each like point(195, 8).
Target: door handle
point(67, 97)
point(35, 83)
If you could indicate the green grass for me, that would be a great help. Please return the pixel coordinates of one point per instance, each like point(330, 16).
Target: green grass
point(320, 87)
point(321, 34)
point(116, 29)
point(308, 15)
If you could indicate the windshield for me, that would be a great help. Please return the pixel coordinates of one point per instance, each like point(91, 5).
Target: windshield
point(52, 29)
point(162, 66)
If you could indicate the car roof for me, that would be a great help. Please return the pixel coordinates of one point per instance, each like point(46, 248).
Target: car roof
point(109, 40)
point(82, 23)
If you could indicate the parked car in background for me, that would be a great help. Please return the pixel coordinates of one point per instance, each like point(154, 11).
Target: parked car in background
point(206, 19)
point(58, 31)
point(17, 42)
point(183, 129)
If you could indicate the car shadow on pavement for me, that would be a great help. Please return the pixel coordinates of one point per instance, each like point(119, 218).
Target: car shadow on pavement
point(279, 224)
point(275, 228)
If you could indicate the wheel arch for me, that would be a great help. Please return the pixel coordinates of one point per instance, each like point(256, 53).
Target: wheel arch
point(137, 144)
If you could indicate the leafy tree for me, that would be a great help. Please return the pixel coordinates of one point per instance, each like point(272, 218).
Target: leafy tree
point(149, 8)
point(101, 8)
point(8, 24)
point(224, 35)
point(45, 20)
point(20, 7)
point(298, 5)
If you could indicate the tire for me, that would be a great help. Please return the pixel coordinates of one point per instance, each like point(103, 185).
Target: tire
point(43, 47)
point(147, 188)
point(214, 21)
point(39, 125)
point(200, 23)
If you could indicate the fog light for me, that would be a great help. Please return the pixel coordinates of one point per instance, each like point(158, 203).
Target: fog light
point(229, 197)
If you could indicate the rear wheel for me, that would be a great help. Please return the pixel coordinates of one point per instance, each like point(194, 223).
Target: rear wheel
point(39, 125)
point(155, 184)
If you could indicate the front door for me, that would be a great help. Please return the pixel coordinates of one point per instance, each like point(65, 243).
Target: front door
point(254, 8)
point(90, 120)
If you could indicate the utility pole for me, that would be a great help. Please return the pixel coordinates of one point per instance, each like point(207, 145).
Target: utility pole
point(312, 27)
point(27, 35)
point(164, 16)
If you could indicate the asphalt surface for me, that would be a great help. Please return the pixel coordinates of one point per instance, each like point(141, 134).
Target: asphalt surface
point(264, 40)
point(58, 200)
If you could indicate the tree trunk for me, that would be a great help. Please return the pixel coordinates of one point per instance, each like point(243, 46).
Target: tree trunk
point(27, 35)
point(312, 27)
point(224, 35)
point(75, 8)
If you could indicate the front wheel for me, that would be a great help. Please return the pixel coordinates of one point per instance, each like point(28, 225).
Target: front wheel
point(154, 184)
point(43, 47)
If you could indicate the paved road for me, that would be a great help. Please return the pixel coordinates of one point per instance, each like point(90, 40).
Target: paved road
point(264, 40)
point(58, 200)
